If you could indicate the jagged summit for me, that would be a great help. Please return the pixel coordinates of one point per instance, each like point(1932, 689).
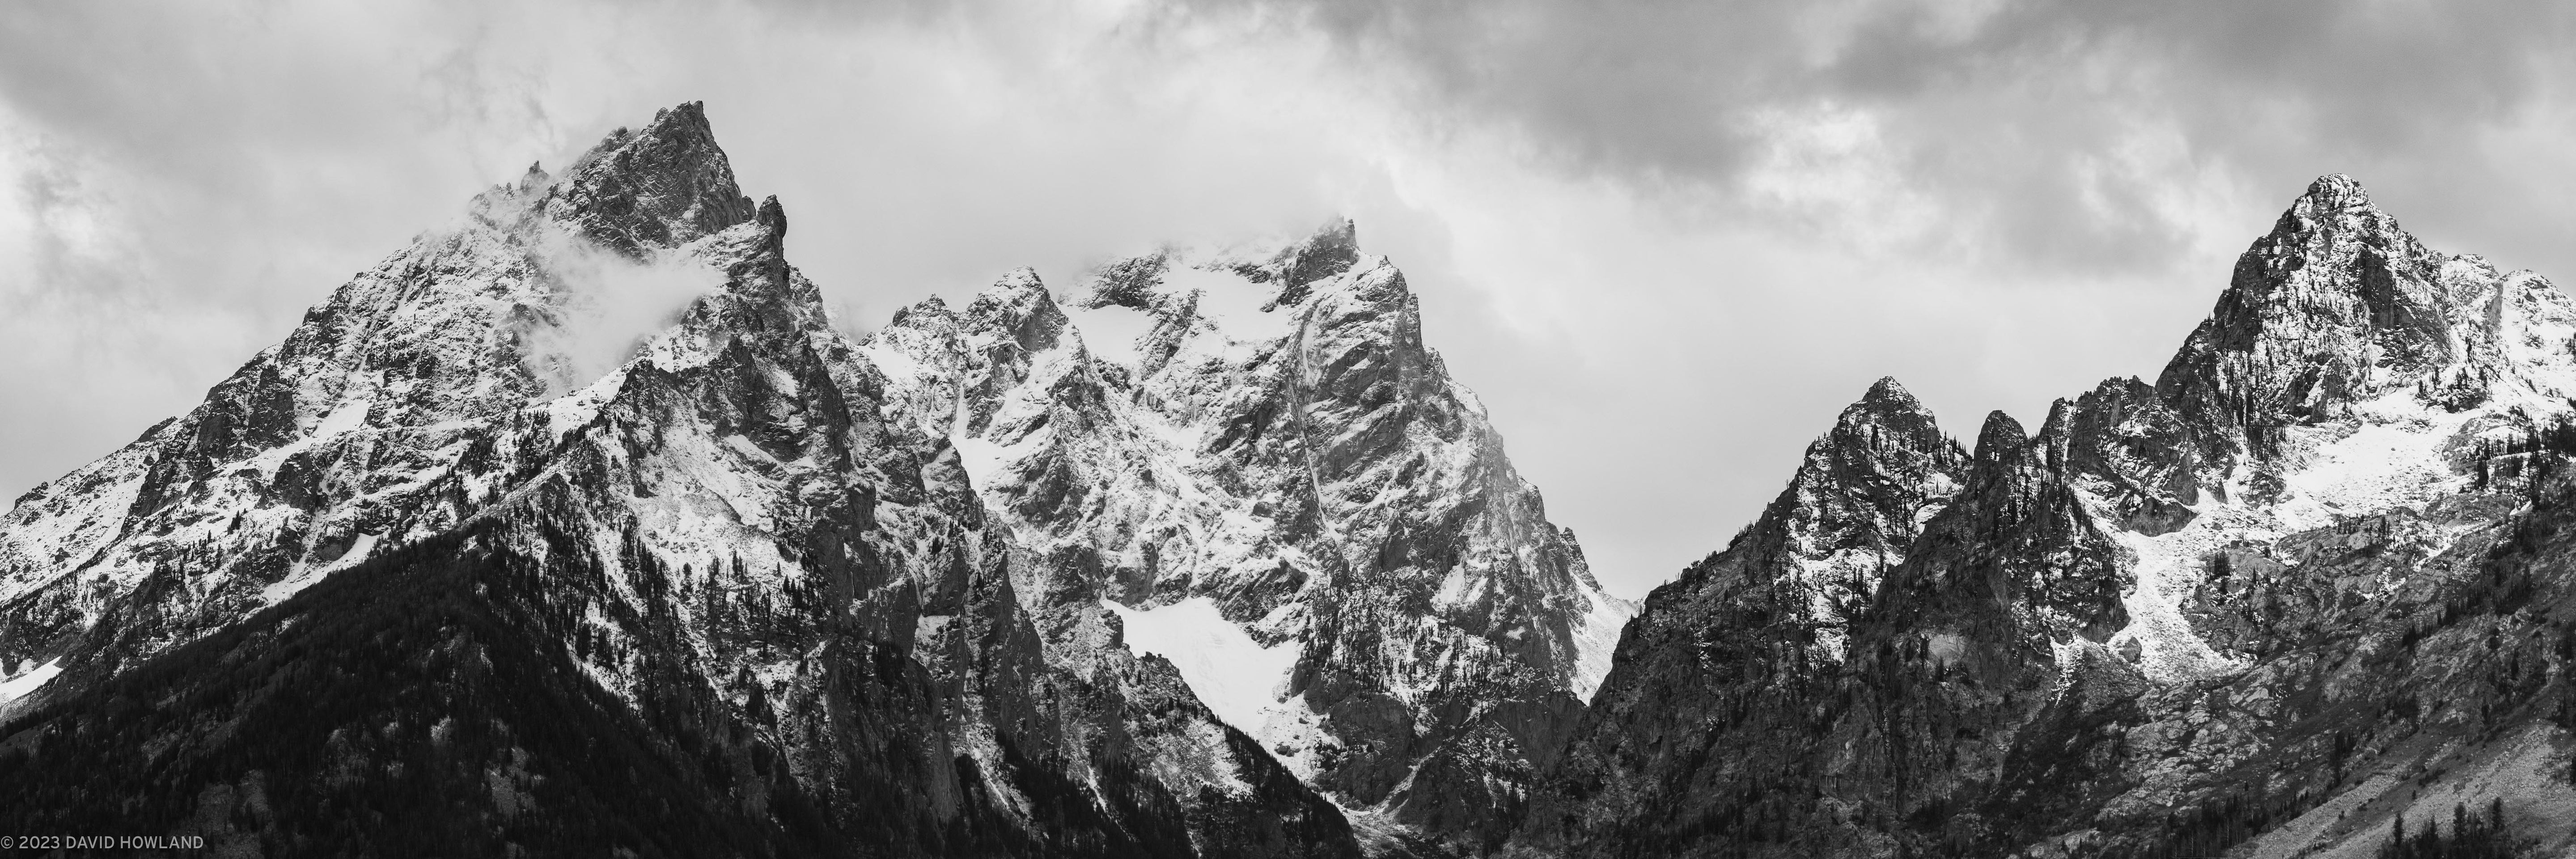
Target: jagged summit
point(1999, 438)
point(908, 589)
point(2335, 193)
point(1252, 443)
point(1863, 491)
point(2338, 306)
point(1889, 407)
point(723, 550)
point(1331, 250)
point(773, 222)
point(1211, 557)
point(1022, 279)
point(1279, 267)
point(1723, 678)
point(300, 450)
point(664, 185)
point(1886, 389)
point(2209, 615)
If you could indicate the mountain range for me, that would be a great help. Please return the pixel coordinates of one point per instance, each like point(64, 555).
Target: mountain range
point(579, 525)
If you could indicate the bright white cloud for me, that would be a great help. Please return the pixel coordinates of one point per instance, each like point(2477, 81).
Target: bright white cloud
point(606, 307)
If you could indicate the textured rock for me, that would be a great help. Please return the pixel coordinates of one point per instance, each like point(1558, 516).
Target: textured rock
point(1729, 679)
point(473, 558)
point(793, 616)
point(890, 575)
point(2239, 608)
point(1273, 435)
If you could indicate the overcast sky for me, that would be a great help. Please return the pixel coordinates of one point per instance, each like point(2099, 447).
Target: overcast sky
point(1665, 242)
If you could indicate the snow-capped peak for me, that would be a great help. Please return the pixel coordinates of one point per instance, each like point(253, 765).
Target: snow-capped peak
point(666, 184)
point(1257, 432)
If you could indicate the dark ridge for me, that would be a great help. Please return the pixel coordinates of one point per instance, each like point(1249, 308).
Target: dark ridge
point(410, 706)
point(663, 186)
point(1330, 251)
point(424, 704)
point(773, 222)
point(2000, 437)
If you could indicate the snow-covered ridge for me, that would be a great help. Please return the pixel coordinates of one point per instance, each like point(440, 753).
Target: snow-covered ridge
point(615, 375)
point(1256, 436)
point(320, 449)
point(2233, 564)
point(1248, 455)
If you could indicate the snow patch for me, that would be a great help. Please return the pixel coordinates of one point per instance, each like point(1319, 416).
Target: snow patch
point(18, 687)
point(2167, 569)
point(1110, 333)
point(983, 460)
point(1233, 675)
point(361, 547)
point(2391, 456)
point(1297, 736)
point(351, 414)
point(928, 626)
point(1596, 640)
point(1233, 304)
point(2377, 467)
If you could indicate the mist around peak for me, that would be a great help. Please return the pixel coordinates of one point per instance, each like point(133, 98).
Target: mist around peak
point(606, 307)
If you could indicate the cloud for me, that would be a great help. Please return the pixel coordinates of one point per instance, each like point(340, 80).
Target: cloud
point(1665, 243)
point(605, 306)
point(2050, 134)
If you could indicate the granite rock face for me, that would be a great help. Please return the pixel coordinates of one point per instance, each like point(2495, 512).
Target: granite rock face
point(1727, 674)
point(948, 589)
point(2314, 578)
point(1258, 437)
point(577, 525)
point(405, 553)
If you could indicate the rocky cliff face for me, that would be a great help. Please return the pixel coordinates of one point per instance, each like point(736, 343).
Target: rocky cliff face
point(419, 555)
point(1726, 676)
point(1174, 579)
point(2312, 579)
point(1258, 439)
point(576, 525)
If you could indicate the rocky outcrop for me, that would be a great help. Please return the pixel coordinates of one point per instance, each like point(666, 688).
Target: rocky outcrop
point(579, 526)
point(877, 594)
point(665, 186)
point(1731, 676)
point(791, 616)
point(1263, 430)
point(2234, 610)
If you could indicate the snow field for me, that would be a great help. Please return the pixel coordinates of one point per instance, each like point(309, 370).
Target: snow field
point(18, 687)
point(1235, 676)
